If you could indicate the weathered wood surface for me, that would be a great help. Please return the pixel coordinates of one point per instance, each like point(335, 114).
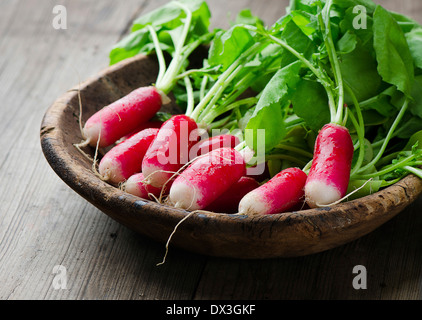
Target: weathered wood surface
point(43, 223)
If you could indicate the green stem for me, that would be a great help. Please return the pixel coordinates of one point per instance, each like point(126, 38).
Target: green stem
point(387, 183)
point(388, 137)
point(221, 90)
point(186, 27)
point(294, 149)
point(224, 80)
point(321, 77)
point(203, 88)
point(332, 54)
point(400, 164)
point(360, 129)
point(220, 123)
point(189, 91)
point(204, 71)
point(307, 167)
point(168, 79)
point(203, 103)
point(417, 172)
point(210, 116)
point(159, 53)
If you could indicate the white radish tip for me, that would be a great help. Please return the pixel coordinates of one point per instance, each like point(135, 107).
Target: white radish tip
point(318, 193)
point(252, 205)
point(184, 196)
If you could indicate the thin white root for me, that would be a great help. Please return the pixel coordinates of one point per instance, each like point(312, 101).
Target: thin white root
point(86, 142)
point(174, 231)
point(79, 147)
point(345, 197)
point(146, 179)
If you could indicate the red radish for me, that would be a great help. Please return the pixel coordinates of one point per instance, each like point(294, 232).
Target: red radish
point(206, 179)
point(135, 185)
point(143, 126)
point(170, 150)
point(122, 116)
point(228, 202)
point(212, 143)
point(281, 193)
point(125, 159)
point(329, 175)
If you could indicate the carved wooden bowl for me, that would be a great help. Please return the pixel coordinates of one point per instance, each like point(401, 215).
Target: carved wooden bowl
point(281, 235)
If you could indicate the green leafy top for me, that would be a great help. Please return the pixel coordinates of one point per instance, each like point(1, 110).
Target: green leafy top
point(327, 64)
point(177, 28)
point(311, 67)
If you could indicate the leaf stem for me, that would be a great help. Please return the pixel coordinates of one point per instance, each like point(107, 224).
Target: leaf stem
point(360, 129)
point(159, 53)
point(215, 92)
point(332, 55)
point(399, 164)
point(166, 81)
point(189, 90)
point(387, 138)
point(320, 75)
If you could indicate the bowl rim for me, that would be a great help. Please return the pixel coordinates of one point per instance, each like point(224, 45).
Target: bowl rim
point(320, 222)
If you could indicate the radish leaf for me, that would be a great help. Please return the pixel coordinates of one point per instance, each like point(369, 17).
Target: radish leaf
point(270, 111)
point(395, 63)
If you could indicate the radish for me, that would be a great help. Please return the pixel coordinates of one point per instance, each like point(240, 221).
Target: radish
point(281, 193)
point(135, 185)
point(125, 159)
point(170, 150)
point(122, 117)
point(198, 116)
point(212, 143)
point(329, 175)
point(228, 202)
point(206, 179)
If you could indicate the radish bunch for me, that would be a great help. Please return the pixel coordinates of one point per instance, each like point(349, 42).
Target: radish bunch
point(131, 113)
point(295, 80)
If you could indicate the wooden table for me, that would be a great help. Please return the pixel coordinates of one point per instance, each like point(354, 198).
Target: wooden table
point(45, 225)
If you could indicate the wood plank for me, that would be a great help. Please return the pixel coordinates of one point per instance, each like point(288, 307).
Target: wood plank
point(391, 255)
point(43, 223)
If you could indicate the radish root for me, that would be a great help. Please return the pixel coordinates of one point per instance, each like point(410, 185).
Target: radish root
point(174, 231)
point(85, 142)
point(345, 197)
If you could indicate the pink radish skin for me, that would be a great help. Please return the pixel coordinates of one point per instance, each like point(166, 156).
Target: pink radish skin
point(213, 143)
point(170, 150)
point(122, 116)
point(329, 175)
point(281, 193)
point(228, 202)
point(125, 159)
point(206, 179)
point(135, 185)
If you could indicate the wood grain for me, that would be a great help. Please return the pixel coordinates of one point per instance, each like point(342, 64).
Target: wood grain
point(43, 223)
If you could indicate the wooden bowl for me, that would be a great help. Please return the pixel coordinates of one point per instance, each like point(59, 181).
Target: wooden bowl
point(281, 235)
